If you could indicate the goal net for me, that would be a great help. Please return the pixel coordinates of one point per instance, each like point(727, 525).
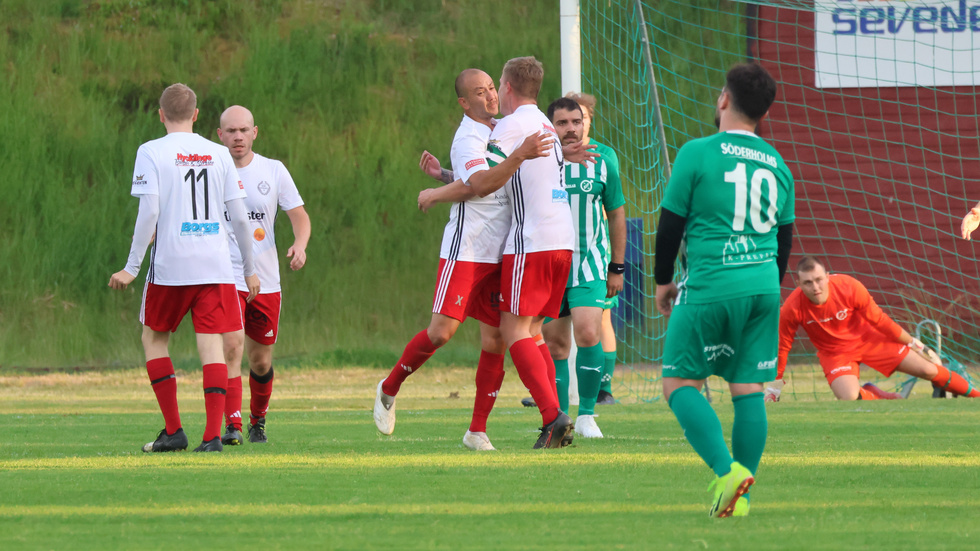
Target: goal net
point(876, 115)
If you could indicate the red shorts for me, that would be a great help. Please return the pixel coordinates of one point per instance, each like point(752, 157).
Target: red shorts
point(468, 289)
point(882, 356)
point(532, 284)
point(261, 316)
point(214, 307)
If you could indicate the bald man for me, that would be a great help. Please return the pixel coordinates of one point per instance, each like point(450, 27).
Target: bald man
point(269, 187)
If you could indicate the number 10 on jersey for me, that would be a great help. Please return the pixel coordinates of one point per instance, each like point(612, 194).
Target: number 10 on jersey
point(753, 196)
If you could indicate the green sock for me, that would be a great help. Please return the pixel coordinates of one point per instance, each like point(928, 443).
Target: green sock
point(749, 430)
point(588, 368)
point(701, 428)
point(607, 372)
point(561, 381)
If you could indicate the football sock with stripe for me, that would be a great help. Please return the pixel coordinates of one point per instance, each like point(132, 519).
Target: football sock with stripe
point(215, 387)
point(233, 402)
point(607, 371)
point(561, 382)
point(418, 350)
point(589, 362)
point(701, 428)
point(260, 387)
point(953, 382)
point(163, 380)
point(749, 430)
point(534, 374)
point(489, 376)
point(549, 363)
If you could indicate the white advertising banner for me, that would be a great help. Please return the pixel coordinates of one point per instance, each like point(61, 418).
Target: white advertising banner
point(889, 43)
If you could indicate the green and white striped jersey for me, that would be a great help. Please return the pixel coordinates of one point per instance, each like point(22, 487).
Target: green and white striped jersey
point(590, 189)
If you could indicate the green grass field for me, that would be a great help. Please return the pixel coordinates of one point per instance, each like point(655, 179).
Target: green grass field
point(881, 475)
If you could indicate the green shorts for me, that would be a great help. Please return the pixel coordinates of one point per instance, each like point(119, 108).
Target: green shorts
point(591, 293)
point(736, 339)
point(612, 302)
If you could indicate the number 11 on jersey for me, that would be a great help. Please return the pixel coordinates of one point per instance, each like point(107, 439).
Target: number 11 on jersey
point(203, 175)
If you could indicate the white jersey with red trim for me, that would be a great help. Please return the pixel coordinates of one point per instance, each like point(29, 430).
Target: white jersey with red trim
point(541, 219)
point(269, 187)
point(476, 228)
point(193, 178)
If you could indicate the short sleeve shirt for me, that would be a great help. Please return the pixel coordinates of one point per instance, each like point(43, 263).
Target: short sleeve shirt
point(592, 188)
point(540, 217)
point(478, 227)
point(193, 178)
point(735, 190)
point(270, 187)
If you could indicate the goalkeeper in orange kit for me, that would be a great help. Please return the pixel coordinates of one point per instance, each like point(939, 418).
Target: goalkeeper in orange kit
point(847, 328)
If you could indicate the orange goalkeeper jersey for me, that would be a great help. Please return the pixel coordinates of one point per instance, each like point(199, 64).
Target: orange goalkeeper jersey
point(841, 325)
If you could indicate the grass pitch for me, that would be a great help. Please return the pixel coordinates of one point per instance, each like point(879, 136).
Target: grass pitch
point(875, 475)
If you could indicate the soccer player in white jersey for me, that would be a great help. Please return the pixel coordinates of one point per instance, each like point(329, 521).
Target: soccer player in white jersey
point(593, 189)
point(538, 251)
point(269, 187)
point(468, 281)
point(185, 184)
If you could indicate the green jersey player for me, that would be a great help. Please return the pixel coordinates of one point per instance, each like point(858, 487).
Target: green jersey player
point(593, 188)
point(730, 200)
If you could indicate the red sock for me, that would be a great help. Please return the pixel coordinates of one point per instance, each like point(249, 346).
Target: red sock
point(215, 387)
point(164, 383)
point(418, 350)
point(549, 362)
point(489, 376)
point(534, 374)
point(233, 402)
point(953, 382)
point(261, 389)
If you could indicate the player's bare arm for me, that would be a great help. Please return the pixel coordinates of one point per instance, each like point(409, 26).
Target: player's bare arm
point(300, 221)
point(617, 237)
point(970, 222)
point(580, 153)
point(455, 192)
point(431, 166)
point(486, 182)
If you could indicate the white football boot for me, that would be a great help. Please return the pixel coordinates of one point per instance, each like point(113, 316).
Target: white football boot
point(586, 428)
point(477, 441)
point(384, 411)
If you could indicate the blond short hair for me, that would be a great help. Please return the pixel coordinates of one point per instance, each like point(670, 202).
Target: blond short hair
point(178, 102)
point(525, 75)
point(585, 100)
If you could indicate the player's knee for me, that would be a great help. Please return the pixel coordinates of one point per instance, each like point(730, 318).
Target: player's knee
point(587, 336)
point(440, 336)
point(847, 395)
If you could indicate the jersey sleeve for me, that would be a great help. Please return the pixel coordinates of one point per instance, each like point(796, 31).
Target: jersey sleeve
point(680, 188)
point(289, 197)
point(232, 183)
point(612, 195)
point(789, 323)
point(469, 156)
point(505, 138)
point(787, 215)
point(146, 178)
point(867, 308)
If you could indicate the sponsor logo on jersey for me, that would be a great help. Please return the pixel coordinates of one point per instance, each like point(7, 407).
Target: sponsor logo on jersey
point(264, 187)
point(193, 228)
point(742, 249)
point(258, 234)
point(194, 160)
point(475, 162)
point(549, 128)
point(585, 185)
point(747, 153)
point(254, 215)
point(559, 196)
point(712, 352)
point(139, 181)
point(842, 314)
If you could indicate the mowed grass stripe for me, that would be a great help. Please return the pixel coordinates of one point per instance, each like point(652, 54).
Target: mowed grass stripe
point(508, 460)
point(444, 509)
